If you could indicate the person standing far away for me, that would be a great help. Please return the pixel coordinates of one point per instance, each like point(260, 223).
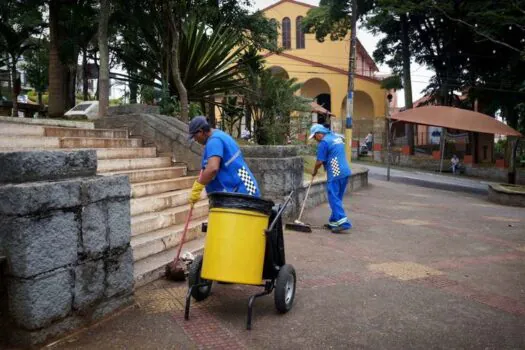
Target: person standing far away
point(223, 166)
point(331, 154)
point(368, 140)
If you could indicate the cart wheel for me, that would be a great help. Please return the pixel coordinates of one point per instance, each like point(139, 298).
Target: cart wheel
point(285, 288)
point(194, 277)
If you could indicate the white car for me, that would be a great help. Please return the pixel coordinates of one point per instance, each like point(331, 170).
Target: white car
point(88, 109)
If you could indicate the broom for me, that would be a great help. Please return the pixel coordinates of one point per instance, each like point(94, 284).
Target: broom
point(176, 270)
point(298, 225)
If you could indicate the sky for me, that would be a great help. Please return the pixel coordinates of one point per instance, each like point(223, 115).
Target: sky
point(420, 74)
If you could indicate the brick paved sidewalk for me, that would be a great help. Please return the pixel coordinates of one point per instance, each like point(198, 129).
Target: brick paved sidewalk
point(421, 269)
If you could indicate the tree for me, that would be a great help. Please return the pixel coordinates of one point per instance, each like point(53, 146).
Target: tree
point(269, 100)
point(36, 67)
point(103, 76)
point(19, 20)
point(231, 113)
point(72, 25)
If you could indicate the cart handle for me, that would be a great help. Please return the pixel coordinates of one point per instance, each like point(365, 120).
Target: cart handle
point(270, 229)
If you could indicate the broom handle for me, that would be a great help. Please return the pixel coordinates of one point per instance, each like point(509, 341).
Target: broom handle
point(186, 226)
point(184, 233)
point(305, 198)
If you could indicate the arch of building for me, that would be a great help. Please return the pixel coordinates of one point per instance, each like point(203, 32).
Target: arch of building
point(319, 90)
point(363, 117)
point(279, 71)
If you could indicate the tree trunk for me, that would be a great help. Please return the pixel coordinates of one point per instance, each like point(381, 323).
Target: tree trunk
point(40, 102)
point(407, 79)
point(70, 87)
point(85, 82)
point(183, 93)
point(211, 112)
point(103, 100)
point(133, 87)
point(16, 87)
point(57, 98)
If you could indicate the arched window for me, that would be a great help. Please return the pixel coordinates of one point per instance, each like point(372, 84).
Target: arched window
point(287, 41)
point(299, 34)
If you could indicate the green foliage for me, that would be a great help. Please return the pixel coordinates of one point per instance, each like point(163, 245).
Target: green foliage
point(332, 18)
point(231, 113)
point(36, 66)
point(393, 82)
point(147, 94)
point(270, 100)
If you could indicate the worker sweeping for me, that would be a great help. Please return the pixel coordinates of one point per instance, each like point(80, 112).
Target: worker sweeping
point(331, 154)
point(224, 168)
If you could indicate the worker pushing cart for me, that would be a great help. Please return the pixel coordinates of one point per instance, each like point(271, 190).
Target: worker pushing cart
point(331, 154)
point(244, 242)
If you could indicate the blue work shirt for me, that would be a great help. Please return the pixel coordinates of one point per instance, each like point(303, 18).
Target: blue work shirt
point(331, 151)
point(233, 175)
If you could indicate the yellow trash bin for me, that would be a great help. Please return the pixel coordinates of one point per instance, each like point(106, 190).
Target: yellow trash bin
point(236, 240)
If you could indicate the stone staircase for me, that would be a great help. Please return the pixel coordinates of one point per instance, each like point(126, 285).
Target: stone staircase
point(159, 186)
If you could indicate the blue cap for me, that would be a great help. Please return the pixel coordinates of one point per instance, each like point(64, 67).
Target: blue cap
point(318, 128)
point(197, 124)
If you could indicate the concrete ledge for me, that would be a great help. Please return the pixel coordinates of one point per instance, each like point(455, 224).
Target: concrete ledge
point(50, 122)
point(512, 195)
point(46, 165)
point(269, 151)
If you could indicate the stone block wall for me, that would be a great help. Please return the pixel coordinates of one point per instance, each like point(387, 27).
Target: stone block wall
point(278, 170)
point(66, 236)
point(166, 133)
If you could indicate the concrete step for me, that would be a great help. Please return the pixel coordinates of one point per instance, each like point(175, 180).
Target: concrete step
point(91, 142)
point(150, 243)
point(102, 153)
point(146, 175)
point(173, 216)
point(12, 129)
point(50, 122)
point(42, 142)
point(76, 132)
point(161, 201)
point(153, 267)
point(139, 190)
point(126, 153)
point(106, 165)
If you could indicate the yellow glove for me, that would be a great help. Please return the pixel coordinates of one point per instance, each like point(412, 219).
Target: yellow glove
point(196, 190)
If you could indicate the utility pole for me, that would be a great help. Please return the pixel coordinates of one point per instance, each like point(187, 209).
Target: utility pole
point(347, 123)
point(389, 137)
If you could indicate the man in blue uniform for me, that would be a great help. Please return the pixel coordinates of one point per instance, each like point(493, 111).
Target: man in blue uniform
point(331, 154)
point(224, 168)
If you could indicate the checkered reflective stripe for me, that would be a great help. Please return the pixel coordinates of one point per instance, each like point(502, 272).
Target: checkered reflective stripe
point(247, 180)
point(334, 166)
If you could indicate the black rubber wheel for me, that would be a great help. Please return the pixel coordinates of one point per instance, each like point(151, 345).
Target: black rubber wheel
point(194, 277)
point(285, 288)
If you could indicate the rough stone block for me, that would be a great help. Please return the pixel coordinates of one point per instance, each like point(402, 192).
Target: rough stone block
point(35, 303)
point(89, 284)
point(106, 187)
point(119, 274)
point(40, 244)
point(24, 199)
point(26, 338)
point(109, 306)
point(94, 229)
point(119, 223)
point(46, 165)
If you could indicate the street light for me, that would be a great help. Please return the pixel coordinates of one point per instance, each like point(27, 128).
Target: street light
point(389, 137)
